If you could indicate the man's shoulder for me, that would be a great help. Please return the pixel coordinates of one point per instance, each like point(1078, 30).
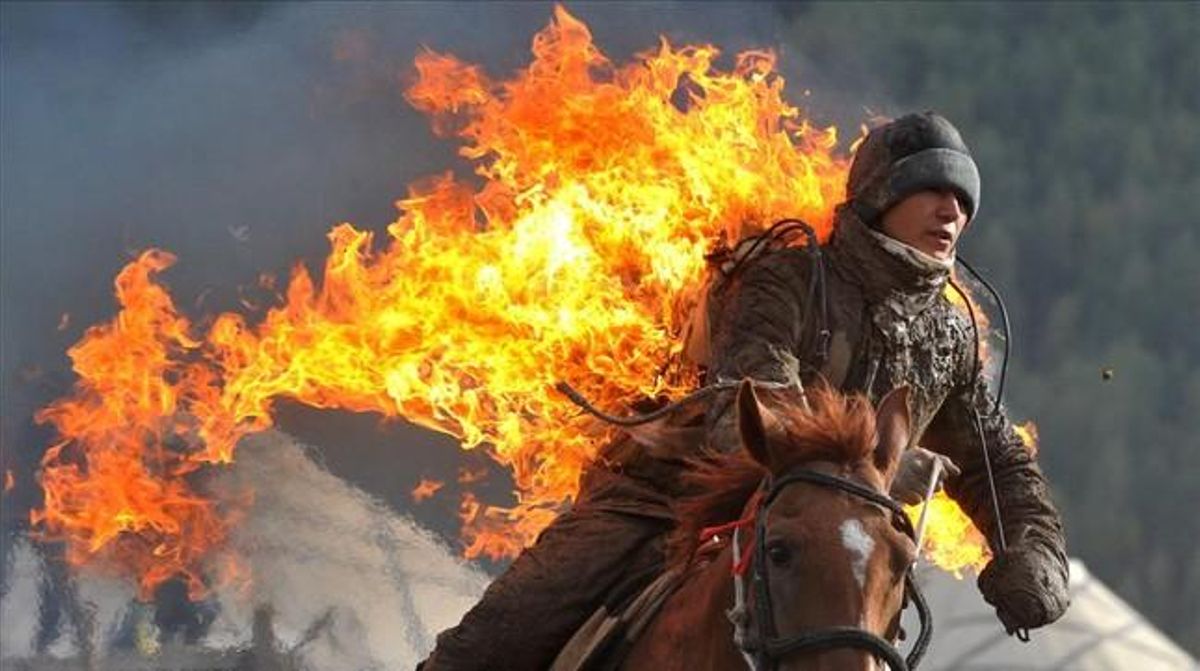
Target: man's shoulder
point(794, 256)
point(789, 265)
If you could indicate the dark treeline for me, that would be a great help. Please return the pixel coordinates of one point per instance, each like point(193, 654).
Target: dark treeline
point(1085, 120)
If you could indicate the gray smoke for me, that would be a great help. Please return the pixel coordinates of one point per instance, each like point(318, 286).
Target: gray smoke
point(319, 547)
point(19, 606)
point(351, 583)
point(235, 135)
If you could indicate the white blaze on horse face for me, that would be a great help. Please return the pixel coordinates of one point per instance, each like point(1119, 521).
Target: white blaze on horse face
point(859, 545)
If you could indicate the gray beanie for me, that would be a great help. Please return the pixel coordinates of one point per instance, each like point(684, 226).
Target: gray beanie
point(910, 154)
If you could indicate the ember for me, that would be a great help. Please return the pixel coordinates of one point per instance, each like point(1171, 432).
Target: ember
point(1029, 435)
point(576, 256)
point(426, 489)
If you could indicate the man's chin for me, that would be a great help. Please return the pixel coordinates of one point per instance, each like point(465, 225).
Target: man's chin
point(939, 250)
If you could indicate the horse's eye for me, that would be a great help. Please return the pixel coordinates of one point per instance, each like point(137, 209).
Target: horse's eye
point(779, 553)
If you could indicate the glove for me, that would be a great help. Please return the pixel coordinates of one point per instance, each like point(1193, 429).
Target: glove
point(912, 475)
point(1027, 587)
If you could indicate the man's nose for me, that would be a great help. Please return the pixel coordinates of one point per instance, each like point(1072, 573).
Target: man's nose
point(949, 206)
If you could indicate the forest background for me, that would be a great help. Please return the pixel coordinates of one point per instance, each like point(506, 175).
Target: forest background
point(1084, 119)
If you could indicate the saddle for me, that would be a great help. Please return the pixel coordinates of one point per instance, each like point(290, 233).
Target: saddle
point(602, 642)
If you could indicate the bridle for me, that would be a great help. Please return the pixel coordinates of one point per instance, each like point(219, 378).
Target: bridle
point(763, 649)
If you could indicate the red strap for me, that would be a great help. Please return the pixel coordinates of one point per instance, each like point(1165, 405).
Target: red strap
point(709, 532)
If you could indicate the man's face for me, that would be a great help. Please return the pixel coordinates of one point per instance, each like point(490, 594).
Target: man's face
point(929, 220)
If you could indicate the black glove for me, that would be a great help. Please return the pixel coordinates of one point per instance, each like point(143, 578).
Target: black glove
point(1027, 586)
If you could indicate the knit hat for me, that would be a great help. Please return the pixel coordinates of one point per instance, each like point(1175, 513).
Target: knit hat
point(910, 154)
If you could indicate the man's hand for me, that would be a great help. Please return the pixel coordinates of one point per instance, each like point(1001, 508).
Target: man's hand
point(912, 477)
point(1027, 588)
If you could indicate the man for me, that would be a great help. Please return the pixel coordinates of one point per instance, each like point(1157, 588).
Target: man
point(912, 190)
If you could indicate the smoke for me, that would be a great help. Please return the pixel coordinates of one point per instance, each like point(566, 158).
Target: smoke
point(19, 605)
point(348, 582)
point(235, 136)
point(318, 547)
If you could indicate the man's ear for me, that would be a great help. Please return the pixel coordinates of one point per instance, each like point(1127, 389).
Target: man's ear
point(757, 425)
point(893, 426)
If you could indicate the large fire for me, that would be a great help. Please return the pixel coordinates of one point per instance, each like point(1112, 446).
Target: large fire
point(574, 254)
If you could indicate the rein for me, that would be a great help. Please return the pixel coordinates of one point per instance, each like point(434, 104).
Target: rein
point(763, 650)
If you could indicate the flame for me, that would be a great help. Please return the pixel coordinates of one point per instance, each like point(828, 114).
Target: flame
point(966, 301)
point(425, 489)
point(9, 481)
point(113, 488)
point(951, 541)
point(574, 253)
point(470, 476)
point(1028, 432)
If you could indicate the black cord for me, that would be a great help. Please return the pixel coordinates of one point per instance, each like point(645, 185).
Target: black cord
point(780, 231)
point(1021, 633)
point(1004, 322)
point(637, 420)
point(987, 457)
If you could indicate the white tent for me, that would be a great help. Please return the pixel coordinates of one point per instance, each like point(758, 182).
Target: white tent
point(1099, 632)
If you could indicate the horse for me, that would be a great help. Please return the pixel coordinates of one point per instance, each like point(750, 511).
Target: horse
point(828, 553)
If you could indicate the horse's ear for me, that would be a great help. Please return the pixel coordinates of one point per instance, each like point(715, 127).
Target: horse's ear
point(893, 425)
point(756, 424)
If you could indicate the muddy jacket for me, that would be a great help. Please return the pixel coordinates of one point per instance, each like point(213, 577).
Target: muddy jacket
point(890, 325)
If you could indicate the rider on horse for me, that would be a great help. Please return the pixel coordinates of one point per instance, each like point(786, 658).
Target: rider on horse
point(878, 319)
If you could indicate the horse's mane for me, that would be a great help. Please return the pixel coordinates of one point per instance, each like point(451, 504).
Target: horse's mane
point(840, 428)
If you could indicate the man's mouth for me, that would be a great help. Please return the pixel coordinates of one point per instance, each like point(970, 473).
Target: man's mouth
point(943, 237)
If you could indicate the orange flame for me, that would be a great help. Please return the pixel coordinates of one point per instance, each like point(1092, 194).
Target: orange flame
point(426, 489)
point(113, 488)
point(577, 257)
point(951, 541)
point(470, 476)
point(9, 481)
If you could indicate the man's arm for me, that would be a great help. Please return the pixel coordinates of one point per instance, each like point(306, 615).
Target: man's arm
point(759, 328)
point(1027, 583)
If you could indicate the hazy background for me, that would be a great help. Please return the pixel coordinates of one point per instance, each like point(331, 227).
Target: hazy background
point(233, 136)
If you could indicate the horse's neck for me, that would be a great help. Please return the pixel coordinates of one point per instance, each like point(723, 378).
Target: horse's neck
point(716, 576)
point(708, 593)
point(692, 631)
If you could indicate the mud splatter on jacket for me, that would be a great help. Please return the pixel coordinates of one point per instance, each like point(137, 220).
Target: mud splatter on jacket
point(891, 325)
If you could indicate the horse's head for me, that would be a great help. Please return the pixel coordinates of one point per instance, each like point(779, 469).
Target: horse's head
point(832, 555)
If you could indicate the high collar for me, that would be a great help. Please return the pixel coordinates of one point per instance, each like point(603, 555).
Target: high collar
point(895, 275)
